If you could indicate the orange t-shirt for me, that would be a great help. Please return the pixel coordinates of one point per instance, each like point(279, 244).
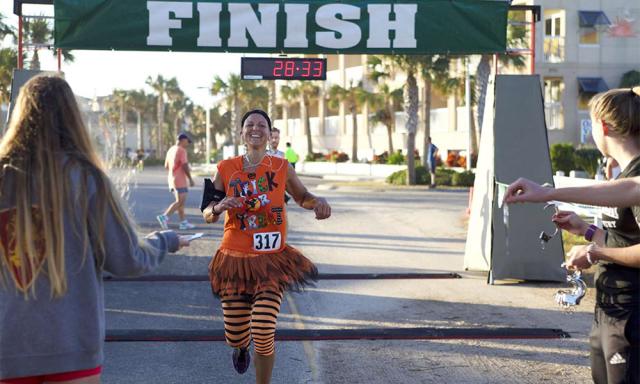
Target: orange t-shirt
point(176, 158)
point(260, 225)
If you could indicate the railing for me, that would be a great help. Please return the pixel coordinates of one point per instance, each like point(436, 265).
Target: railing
point(554, 115)
point(554, 49)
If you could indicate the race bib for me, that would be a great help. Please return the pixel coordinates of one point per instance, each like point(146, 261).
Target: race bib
point(267, 241)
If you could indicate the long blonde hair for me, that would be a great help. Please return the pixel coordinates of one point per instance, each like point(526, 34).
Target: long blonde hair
point(45, 140)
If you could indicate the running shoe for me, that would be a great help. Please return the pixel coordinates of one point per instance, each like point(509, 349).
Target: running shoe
point(241, 359)
point(163, 220)
point(186, 225)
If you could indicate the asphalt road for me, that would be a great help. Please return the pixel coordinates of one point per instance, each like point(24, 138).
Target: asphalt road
point(369, 232)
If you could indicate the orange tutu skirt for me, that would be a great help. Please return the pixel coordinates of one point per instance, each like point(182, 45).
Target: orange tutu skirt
point(237, 273)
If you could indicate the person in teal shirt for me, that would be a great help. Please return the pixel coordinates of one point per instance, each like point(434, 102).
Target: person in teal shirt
point(291, 156)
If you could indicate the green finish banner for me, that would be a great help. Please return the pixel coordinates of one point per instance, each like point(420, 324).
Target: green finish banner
point(367, 26)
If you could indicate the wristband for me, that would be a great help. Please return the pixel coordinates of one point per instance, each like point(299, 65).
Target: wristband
point(588, 235)
point(210, 194)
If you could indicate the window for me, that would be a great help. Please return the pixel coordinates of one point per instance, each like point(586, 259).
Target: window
point(589, 36)
point(591, 22)
point(553, 111)
point(554, 36)
point(587, 88)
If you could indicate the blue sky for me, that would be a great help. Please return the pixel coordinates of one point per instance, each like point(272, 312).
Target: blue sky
point(99, 72)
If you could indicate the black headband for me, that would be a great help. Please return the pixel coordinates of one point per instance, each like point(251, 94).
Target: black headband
point(259, 112)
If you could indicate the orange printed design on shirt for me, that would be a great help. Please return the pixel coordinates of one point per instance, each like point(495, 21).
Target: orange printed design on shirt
point(21, 270)
point(259, 225)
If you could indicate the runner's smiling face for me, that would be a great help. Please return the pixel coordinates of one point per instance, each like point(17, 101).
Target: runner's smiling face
point(255, 131)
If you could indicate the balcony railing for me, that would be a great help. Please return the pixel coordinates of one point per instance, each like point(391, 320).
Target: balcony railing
point(554, 115)
point(554, 49)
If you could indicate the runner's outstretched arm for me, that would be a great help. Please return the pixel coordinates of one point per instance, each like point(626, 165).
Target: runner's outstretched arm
point(304, 198)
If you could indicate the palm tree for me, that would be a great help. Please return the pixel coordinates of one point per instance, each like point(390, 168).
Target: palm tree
point(39, 32)
point(385, 102)
point(119, 102)
point(221, 124)
point(516, 36)
point(231, 90)
point(8, 60)
point(139, 102)
point(160, 86)
point(410, 65)
point(239, 94)
point(178, 105)
point(5, 29)
point(434, 70)
point(114, 117)
point(354, 97)
point(289, 97)
point(271, 86)
point(305, 92)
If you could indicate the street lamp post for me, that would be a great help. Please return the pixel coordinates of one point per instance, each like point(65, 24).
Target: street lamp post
point(467, 92)
point(207, 144)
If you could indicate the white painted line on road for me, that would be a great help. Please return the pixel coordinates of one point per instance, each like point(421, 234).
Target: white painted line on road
point(307, 345)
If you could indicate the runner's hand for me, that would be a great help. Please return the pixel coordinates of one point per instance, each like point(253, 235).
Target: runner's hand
point(229, 203)
point(570, 222)
point(191, 182)
point(526, 191)
point(322, 208)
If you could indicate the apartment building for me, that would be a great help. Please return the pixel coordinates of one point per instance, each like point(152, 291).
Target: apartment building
point(582, 47)
point(332, 128)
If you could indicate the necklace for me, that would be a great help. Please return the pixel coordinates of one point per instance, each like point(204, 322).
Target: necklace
point(250, 164)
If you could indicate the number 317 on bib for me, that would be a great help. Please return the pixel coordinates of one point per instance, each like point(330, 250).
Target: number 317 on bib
point(267, 241)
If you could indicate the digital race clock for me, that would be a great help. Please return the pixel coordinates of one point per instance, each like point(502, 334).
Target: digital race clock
point(282, 68)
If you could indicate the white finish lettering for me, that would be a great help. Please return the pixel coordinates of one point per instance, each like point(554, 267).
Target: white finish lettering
point(296, 25)
point(404, 26)
point(327, 17)
point(209, 24)
point(244, 20)
point(160, 21)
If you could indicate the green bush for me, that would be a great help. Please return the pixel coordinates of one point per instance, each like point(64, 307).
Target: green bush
point(397, 178)
point(562, 157)
point(314, 157)
point(444, 176)
point(338, 157)
point(630, 79)
point(586, 159)
point(463, 179)
point(396, 158)
point(400, 177)
point(423, 177)
point(151, 161)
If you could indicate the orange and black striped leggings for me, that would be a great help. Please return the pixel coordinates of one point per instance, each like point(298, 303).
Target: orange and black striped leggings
point(247, 317)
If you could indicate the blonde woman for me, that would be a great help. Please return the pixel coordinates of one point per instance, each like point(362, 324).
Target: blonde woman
point(61, 226)
point(615, 334)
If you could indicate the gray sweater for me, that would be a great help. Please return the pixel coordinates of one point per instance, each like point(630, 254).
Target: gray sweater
point(43, 335)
